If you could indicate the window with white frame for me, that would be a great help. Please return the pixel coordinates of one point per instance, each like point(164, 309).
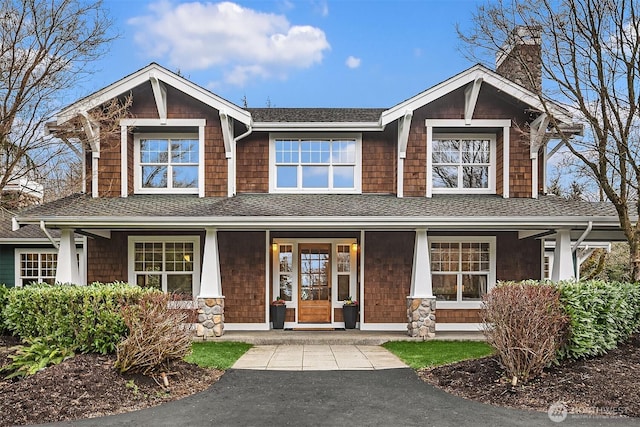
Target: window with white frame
point(463, 163)
point(40, 266)
point(37, 267)
point(462, 270)
point(316, 164)
point(167, 163)
point(167, 264)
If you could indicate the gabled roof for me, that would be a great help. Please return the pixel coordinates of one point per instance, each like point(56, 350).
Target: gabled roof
point(468, 76)
point(143, 75)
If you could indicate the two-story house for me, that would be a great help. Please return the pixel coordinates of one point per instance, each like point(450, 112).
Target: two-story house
point(419, 207)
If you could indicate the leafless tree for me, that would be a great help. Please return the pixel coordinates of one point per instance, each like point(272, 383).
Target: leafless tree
point(47, 47)
point(590, 62)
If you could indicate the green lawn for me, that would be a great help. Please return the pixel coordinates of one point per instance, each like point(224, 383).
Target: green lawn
point(219, 355)
point(433, 353)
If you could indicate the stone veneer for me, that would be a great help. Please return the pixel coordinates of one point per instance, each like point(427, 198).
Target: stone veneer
point(421, 317)
point(210, 317)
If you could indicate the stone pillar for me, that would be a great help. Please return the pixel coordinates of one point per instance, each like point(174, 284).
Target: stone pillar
point(421, 317)
point(210, 317)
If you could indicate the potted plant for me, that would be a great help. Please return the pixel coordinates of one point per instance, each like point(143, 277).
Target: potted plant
point(278, 311)
point(350, 311)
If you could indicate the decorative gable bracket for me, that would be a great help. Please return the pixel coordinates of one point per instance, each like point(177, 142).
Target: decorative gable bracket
point(227, 133)
point(471, 93)
point(92, 130)
point(538, 133)
point(160, 95)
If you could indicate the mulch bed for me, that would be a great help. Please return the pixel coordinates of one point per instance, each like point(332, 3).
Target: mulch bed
point(87, 386)
point(604, 386)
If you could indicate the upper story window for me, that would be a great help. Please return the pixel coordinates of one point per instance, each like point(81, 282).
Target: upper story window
point(462, 163)
point(316, 164)
point(167, 163)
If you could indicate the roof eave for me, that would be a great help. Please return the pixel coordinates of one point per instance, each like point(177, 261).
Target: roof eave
point(143, 75)
point(467, 76)
point(338, 222)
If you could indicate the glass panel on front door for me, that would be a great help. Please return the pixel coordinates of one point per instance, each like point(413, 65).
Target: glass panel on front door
point(314, 273)
point(314, 283)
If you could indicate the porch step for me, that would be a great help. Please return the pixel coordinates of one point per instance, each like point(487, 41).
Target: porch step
point(337, 337)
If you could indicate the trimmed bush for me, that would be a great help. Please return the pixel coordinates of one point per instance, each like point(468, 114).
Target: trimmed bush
point(526, 324)
point(602, 315)
point(157, 334)
point(81, 318)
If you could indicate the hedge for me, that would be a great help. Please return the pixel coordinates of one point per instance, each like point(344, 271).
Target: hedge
point(602, 315)
point(4, 295)
point(82, 318)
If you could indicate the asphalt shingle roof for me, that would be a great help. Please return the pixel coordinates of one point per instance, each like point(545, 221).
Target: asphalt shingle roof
point(312, 115)
point(317, 205)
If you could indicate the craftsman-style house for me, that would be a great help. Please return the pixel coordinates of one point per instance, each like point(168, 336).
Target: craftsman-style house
point(418, 207)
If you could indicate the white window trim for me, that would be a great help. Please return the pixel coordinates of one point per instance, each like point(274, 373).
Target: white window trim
point(137, 171)
point(19, 251)
point(195, 288)
point(492, 162)
point(357, 179)
point(491, 281)
point(353, 281)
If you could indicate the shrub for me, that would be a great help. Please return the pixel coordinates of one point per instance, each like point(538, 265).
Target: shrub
point(526, 324)
point(81, 318)
point(157, 334)
point(601, 314)
point(37, 355)
point(4, 297)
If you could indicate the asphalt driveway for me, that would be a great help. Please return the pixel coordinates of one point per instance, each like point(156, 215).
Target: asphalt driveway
point(393, 397)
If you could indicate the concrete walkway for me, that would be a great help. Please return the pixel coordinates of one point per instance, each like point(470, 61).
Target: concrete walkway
point(314, 357)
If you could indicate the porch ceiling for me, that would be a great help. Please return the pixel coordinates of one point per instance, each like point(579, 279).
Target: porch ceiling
point(321, 210)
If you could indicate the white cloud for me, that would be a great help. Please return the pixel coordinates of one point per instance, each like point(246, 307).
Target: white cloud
point(243, 43)
point(353, 62)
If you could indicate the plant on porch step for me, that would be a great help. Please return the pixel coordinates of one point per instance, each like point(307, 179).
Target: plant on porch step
point(350, 310)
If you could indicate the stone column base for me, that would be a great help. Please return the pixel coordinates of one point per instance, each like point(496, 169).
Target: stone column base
point(210, 317)
point(421, 317)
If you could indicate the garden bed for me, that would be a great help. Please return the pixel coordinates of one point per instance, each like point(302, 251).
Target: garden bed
point(608, 385)
point(88, 386)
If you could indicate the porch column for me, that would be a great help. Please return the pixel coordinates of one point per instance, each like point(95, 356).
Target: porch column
point(421, 304)
point(67, 269)
point(210, 301)
point(563, 267)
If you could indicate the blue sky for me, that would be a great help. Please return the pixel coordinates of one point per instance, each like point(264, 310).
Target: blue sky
point(309, 53)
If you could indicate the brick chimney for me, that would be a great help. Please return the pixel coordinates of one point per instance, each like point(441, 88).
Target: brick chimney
point(520, 59)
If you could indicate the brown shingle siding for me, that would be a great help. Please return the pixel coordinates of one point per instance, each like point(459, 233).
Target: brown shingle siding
point(242, 271)
point(388, 265)
point(252, 171)
point(378, 163)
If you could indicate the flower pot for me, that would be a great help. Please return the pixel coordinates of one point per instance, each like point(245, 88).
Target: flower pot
point(350, 314)
point(277, 316)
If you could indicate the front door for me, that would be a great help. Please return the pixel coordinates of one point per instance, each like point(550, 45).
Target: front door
point(314, 284)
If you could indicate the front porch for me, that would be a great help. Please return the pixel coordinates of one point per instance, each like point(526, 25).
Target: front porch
point(344, 337)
